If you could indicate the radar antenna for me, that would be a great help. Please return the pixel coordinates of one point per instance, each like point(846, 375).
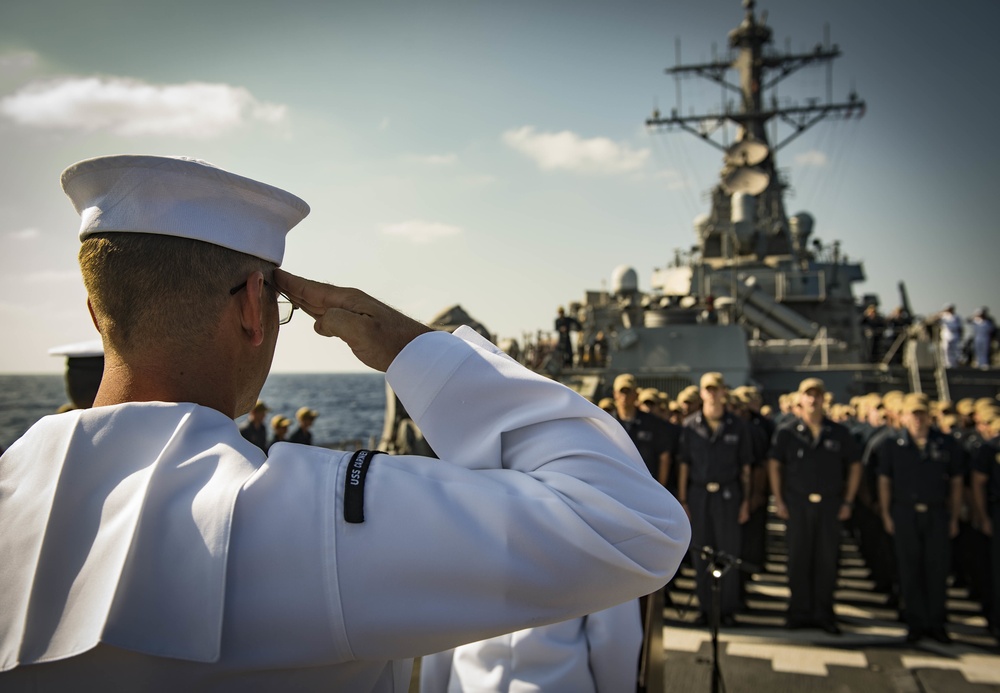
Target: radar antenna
point(750, 162)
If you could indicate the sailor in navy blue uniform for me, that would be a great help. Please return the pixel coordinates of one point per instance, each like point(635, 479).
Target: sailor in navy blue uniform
point(254, 429)
point(713, 485)
point(747, 405)
point(876, 546)
point(986, 500)
point(920, 492)
point(815, 469)
point(654, 438)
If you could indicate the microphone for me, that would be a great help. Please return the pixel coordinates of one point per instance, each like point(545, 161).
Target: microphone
point(726, 560)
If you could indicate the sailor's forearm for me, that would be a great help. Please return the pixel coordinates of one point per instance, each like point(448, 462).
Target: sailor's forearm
point(480, 410)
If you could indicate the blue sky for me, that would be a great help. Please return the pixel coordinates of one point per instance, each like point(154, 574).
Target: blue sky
point(490, 154)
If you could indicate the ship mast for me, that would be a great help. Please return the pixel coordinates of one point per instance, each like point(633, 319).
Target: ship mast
point(750, 169)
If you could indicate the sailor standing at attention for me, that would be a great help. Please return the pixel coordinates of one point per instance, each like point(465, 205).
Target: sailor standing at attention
point(920, 493)
point(148, 546)
point(986, 501)
point(303, 434)
point(654, 438)
point(713, 484)
point(815, 470)
point(254, 429)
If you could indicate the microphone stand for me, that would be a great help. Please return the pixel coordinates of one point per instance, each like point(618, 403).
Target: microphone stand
point(719, 563)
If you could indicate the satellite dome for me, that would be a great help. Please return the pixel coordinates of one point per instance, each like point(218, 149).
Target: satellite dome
point(624, 280)
point(801, 225)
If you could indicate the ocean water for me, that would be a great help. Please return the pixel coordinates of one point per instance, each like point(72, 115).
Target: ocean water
point(350, 405)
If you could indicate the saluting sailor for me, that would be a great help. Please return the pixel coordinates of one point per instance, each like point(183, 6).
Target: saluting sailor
point(146, 545)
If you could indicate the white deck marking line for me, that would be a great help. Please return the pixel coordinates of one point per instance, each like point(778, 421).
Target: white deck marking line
point(791, 659)
point(798, 660)
point(976, 668)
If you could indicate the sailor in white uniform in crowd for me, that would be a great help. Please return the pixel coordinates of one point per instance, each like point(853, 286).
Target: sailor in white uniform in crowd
point(148, 546)
point(597, 653)
point(951, 336)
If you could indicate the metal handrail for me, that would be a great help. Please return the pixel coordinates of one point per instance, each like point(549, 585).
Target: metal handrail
point(821, 341)
point(914, 372)
point(941, 377)
point(899, 341)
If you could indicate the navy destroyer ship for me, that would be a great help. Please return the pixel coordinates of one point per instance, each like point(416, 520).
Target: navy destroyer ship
point(758, 297)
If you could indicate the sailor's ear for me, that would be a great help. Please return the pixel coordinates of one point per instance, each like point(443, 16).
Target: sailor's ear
point(252, 308)
point(93, 316)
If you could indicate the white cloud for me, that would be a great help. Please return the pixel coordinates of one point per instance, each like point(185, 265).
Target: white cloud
point(384, 123)
point(417, 231)
point(130, 108)
point(24, 234)
point(569, 152)
point(813, 157)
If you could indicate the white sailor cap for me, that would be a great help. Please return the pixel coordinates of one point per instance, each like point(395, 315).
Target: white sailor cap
point(79, 350)
point(177, 196)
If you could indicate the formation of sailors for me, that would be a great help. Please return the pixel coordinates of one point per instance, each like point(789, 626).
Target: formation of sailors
point(931, 482)
point(915, 481)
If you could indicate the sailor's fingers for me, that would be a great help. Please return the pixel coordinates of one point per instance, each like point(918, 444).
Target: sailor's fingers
point(375, 332)
point(312, 297)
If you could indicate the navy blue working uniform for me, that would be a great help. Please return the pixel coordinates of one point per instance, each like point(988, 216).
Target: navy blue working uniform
point(652, 437)
point(877, 547)
point(754, 532)
point(255, 433)
point(921, 481)
point(813, 472)
point(302, 436)
point(971, 545)
point(716, 461)
point(564, 326)
point(986, 461)
point(673, 438)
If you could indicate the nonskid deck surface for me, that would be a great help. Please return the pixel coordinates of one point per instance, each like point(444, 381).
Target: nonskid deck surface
point(871, 655)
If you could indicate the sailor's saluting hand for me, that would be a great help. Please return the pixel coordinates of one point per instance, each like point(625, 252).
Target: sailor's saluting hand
point(375, 332)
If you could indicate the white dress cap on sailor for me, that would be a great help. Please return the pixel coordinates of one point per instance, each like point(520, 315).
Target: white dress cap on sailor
point(176, 196)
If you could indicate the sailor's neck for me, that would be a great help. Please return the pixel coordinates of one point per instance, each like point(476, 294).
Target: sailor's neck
point(123, 383)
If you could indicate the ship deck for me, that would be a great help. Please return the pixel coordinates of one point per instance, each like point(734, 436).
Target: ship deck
point(870, 655)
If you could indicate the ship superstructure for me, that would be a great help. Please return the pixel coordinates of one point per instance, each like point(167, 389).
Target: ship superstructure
point(758, 298)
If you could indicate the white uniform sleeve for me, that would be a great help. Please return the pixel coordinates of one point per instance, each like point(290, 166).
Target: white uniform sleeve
point(614, 641)
point(539, 510)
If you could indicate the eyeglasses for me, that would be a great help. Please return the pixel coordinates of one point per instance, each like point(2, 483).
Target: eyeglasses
point(285, 307)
